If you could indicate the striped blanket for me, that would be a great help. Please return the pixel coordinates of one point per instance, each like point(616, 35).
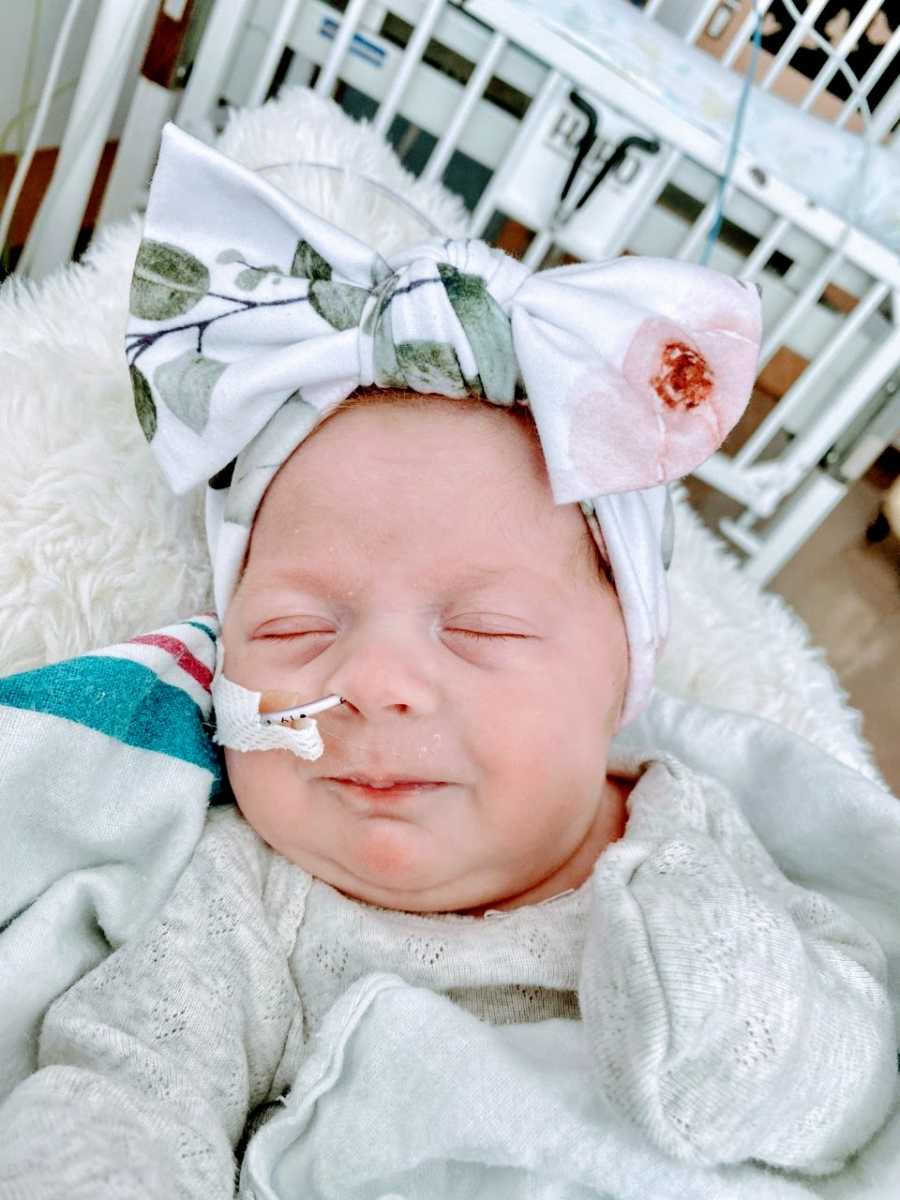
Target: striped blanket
point(107, 769)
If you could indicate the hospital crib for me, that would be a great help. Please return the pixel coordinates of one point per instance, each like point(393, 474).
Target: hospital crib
point(508, 100)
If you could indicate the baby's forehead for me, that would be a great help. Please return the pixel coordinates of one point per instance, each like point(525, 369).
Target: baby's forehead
point(440, 486)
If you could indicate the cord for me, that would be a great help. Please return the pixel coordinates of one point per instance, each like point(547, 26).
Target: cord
point(857, 97)
point(736, 132)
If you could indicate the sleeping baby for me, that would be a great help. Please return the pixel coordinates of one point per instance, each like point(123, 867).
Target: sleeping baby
point(437, 505)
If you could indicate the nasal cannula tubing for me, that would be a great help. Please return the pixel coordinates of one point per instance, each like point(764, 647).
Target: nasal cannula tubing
point(304, 710)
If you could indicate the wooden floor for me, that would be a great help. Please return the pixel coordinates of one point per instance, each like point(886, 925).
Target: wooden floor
point(848, 593)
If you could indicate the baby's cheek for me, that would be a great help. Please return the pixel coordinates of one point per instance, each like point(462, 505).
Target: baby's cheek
point(257, 780)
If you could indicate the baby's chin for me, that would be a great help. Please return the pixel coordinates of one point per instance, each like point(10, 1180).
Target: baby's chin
point(393, 869)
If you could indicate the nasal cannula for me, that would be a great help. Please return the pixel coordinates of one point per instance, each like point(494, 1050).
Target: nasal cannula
point(284, 715)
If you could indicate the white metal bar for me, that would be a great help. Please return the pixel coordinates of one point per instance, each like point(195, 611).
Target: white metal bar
point(349, 23)
point(151, 106)
point(876, 70)
point(652, 7)
point(720, 472)
point(37, 125)
point(549, 93)
point(793, 526)
point(705, 220)
point(456, 29)
point(55, 230)
point(805, 452)
point(887, 112)
point(672, 157)
point(841, 50)
point(808, 296)
point(701, 19)
point(792, 399)
point(745, 33)
point(762, 252)
point(537, 249)
point(412, 56)
point(478, 81)
point(668, 164)
point(793, 39)
point(739, 533)
point(214, 57)
point(273, 52)
point(587, 71)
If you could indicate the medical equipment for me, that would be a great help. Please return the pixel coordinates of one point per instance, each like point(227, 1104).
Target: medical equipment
point(287, 715)
point(242, 725)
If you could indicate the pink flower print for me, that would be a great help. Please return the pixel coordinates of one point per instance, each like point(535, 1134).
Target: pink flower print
point(684, 379)
point(699, 381)
point(614, 433)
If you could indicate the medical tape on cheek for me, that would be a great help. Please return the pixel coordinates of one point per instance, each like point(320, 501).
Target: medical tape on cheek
point(238, 723)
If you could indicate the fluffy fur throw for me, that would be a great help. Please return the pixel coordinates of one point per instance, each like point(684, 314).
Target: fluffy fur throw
point(95, 548)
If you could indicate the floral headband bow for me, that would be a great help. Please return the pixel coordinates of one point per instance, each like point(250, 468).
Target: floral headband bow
point(252, 319)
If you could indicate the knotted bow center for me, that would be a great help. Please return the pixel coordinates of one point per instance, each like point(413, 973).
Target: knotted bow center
point(439, 322)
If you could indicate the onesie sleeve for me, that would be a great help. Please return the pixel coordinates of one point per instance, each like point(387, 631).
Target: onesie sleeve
point(731, 1014)
point(149, 1065)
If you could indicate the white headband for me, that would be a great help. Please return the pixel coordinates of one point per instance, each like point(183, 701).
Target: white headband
point(252, 319)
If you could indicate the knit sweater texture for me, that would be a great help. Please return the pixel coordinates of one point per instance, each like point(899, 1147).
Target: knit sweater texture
point(732, 1014)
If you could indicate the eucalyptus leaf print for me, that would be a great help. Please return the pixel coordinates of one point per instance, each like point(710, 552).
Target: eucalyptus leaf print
point(251, 277)
point(309, 263)
point(487, 329)
point(185, 384)
point(143, 403)
point(257, 463)
point(167, 281)
point(387, 368)
point(431, 367)
point(340, 304)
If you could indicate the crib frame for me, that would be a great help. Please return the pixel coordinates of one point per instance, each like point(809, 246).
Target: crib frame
point(781, 494)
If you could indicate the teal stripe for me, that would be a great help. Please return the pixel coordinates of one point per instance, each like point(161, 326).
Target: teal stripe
point(125, 700)
point(206, 629)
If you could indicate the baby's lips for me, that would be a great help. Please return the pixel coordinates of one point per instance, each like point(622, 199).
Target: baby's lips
point(276, 701)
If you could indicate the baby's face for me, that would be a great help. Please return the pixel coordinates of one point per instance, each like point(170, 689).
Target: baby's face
point(411, 559)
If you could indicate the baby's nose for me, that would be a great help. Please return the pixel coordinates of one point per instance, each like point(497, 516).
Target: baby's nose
point(382, 672)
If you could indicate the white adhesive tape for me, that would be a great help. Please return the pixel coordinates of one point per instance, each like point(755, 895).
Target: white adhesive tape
point(238, 725)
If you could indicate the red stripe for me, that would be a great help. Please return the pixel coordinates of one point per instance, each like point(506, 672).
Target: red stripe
point(180, 653)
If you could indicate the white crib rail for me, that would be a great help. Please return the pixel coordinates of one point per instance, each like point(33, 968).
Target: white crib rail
point(119, 26)
point(787, 492)
point(784, 475)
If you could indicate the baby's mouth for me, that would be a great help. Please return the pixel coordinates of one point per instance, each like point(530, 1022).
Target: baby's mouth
point(386, 787)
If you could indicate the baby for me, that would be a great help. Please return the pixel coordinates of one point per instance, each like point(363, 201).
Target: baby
point(466, 768)
point(468, 825)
